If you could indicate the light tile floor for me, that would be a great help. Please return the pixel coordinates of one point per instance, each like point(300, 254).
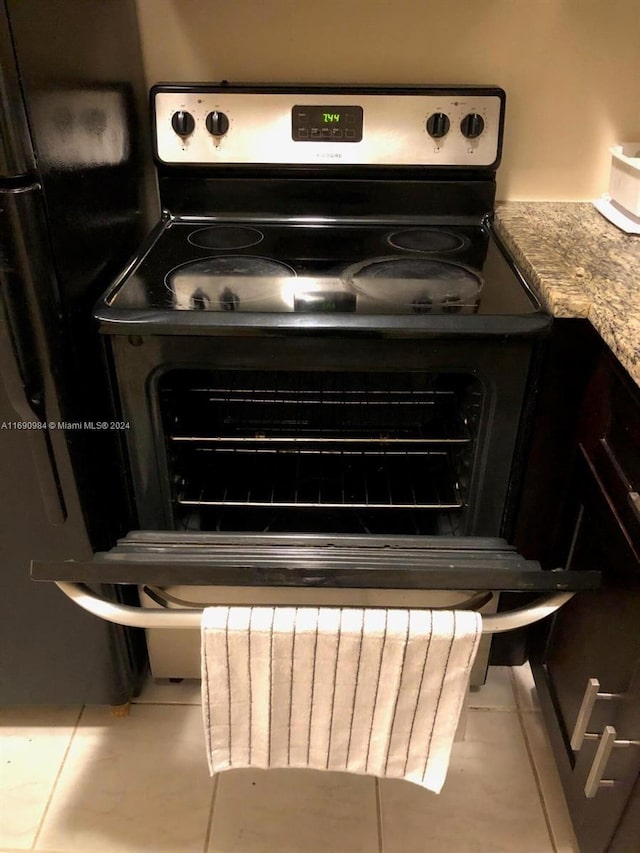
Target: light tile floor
point(77, 780)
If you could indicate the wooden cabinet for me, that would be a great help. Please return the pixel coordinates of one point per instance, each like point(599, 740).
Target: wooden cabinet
point(587, 663)
point(589, 679)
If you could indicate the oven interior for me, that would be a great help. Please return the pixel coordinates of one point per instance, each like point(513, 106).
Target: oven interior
point(320, 452)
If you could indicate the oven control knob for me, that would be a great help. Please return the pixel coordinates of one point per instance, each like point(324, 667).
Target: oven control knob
point(183, 123)
point(217, 123)
point(438, 125)
point(472, 125)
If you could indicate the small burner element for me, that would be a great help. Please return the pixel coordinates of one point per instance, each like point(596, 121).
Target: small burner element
point(431, 240)
point(226, 237)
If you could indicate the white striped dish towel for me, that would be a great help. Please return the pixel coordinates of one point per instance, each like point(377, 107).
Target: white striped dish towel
point(370, 691)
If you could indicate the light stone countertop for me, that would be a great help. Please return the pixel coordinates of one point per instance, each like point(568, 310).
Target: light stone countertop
point(580, 265)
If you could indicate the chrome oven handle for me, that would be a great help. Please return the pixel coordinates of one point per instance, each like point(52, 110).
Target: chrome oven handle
point(145, 617)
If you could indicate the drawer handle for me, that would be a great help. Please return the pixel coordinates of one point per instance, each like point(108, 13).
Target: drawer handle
point(605, 748)
point(594, 779)
point(634, 503)
point(591, 693)
point(584, 714)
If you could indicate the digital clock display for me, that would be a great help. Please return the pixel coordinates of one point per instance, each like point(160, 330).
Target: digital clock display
point(327, 123)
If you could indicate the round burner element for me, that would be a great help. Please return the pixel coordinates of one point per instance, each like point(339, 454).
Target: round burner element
point(428, 240)
point(421, 285)
point(230, 283)
point(226, 237)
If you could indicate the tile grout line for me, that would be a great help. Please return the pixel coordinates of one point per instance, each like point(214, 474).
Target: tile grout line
point(379, 816)
point(532, 764)
point(212, 808)
point(55, 781)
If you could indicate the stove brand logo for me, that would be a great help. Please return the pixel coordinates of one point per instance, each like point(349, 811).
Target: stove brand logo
point(329, 155)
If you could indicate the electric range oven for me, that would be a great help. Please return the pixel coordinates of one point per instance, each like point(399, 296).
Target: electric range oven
point(324, 359)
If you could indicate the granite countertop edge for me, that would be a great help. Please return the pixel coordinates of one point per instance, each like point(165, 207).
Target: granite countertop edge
point(579, 265)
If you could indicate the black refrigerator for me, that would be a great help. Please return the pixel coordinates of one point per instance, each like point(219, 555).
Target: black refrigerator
point(76, 197)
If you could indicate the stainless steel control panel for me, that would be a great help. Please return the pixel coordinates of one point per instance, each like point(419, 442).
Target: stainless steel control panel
point(206, 126)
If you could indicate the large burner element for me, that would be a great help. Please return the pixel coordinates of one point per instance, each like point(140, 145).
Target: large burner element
point(428, 240)
point(423, 285)
point(226, 237)
point(230, 283)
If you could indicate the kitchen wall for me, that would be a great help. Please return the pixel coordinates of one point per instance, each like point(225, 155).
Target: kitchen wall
point(571, 68)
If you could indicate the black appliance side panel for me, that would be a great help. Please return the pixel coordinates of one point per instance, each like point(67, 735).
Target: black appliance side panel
point(83, 84)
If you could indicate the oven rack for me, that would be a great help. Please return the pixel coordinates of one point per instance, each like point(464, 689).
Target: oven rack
point(262, 439)
point(322, 411)
point(312, 478)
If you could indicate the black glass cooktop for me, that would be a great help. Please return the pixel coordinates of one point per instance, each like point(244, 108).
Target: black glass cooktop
point(214, 268)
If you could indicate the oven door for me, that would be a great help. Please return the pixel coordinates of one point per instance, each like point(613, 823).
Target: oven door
point(263, 461)
point(158, 560)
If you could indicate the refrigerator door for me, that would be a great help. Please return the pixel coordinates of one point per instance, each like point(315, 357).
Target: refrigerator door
point(29, 338)
point(80, 73)
point(50, 651)
point(70, 213)
point(16, 152)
